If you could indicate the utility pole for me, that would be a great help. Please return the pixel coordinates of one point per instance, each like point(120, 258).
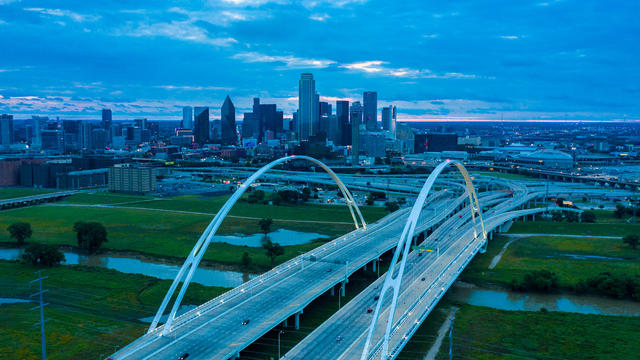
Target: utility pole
point(41, 307)
point(451, 340)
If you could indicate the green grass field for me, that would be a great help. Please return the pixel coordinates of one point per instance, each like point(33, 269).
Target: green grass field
point(91, 309)
point(546, 252)
point(16, 192)
point(597, 229)
point(484, 333)
point(172, 234)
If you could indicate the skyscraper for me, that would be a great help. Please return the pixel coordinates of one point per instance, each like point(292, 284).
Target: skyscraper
point(307, 106)
point(228, 131)
point(201, 124)
point(342, 113)
point(187, 117)
point(6, 129)
point(389, 119)
point(356, 121)
point(106, 119)
point(370, 99)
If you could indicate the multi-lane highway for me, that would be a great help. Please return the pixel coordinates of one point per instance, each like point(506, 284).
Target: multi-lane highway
point(224, 326)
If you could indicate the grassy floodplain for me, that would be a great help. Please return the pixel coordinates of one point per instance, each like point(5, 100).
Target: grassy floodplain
point(92, 310)
point(169, 227)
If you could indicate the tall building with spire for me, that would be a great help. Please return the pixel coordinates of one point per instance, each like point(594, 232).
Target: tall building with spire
point(229, 135)
point(307, 107)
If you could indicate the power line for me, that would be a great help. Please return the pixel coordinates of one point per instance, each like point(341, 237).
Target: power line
point(41, 307)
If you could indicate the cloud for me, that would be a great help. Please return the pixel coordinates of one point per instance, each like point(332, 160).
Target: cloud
point(378, 67)
point(319, 17)
point(193, 88)
point(177, 30)
point(77, 17)
point(291, 62)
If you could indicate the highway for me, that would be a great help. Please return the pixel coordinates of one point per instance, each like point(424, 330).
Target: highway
point(274, 296)
point(224, 326)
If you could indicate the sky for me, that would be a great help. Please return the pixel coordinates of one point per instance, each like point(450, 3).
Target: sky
point(435, 60)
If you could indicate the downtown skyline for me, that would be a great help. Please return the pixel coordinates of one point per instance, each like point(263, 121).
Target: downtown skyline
point(527, 61)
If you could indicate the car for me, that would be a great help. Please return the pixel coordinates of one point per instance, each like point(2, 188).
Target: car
point(246, 322)
point(369, 310)
point(329, 270)
point(422, 279)
point(419, 254)
point(375, 298)
point(338, 338)
point(183, 356)
point(460, 216)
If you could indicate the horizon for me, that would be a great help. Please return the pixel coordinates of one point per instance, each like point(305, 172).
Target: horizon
point(521, 61)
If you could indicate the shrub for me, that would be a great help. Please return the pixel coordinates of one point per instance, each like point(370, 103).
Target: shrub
point(42, 254)
point(588, 216)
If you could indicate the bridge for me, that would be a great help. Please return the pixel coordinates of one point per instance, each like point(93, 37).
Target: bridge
point(34, 199)
point(448, 218)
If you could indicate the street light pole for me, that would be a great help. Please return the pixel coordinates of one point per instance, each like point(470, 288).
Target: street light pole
point(279, 333)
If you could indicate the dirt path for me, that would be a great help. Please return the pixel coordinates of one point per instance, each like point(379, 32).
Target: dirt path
point(442, 332)
point(198, 213)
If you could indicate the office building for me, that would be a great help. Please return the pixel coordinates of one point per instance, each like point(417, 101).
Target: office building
point(228, 132)
point(6, 130)
point(307, 107)
point(39, 123)
point(437, 142)
point(265, 117)
point(356, 121)
point(370, 99)
point(132, 179)
point(389, 119)
point(201, 124)
point(342, 113)
point(187, 117)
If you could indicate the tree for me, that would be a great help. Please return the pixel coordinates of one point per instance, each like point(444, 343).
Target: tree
point(272, 249)
point(391, 206)
point(42, 254)
point(265, 225)
point(90, 235)
point(306, 192)
point(632, 240)
point(246, 260)
point(588, 216)
point(620, 211)
point(556, 216)
point(20, 231)
point(369, 200)
point(255, 196)
point(571, 216)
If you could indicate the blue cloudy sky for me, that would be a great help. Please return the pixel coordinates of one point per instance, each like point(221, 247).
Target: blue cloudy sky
point(455, 60)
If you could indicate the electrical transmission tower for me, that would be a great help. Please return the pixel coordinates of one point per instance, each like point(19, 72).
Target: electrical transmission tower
point(41, 307)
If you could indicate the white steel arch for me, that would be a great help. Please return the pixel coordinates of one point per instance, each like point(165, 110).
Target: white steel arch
point(193, 260)
point(404, 243)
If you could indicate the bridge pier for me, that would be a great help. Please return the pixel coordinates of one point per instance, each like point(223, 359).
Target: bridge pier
point(297, 320)
point(342, 288)
point(373, 264)
point(333, 291)
point(284, 323)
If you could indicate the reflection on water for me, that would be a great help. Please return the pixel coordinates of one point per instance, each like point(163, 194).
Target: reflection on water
point(283, 237)
point(204, 276)
point(12, 301)
point(507, 300)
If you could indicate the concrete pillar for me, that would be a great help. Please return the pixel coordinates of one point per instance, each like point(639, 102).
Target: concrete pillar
point(297, 321)
point(342, 288)
point(374, 265)
point(491, 235)
point(333, 290)
point(365, 267)
point(284, 323)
